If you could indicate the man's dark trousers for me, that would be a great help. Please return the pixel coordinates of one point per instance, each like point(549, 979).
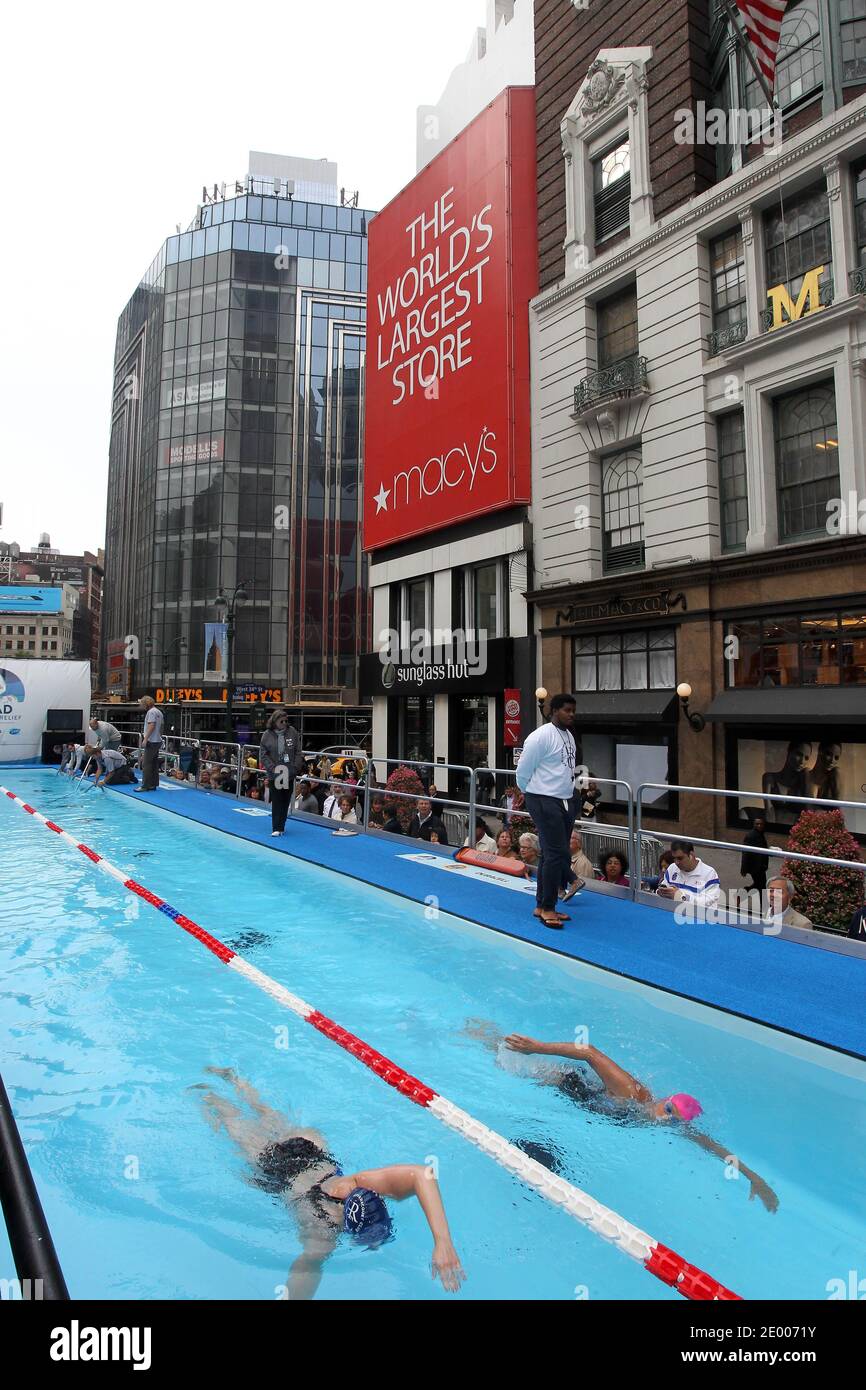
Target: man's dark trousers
point(554, 821)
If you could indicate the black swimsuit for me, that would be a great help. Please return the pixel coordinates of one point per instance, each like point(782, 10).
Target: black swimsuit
point(280, 1164)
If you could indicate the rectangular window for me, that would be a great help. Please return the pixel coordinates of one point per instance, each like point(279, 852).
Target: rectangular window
point(622, 511)
point(852, 30)
point(485, 617)
point(616, 328)
point(644, 660)
point(733, 491)
point(812, 649)
point(807, 460)
point(728, 281)
point(611, 174)
point(414, 618)
point(797, 240)
point(860, 211)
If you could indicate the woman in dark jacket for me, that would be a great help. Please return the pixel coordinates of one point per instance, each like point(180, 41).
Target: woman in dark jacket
point(281, 759)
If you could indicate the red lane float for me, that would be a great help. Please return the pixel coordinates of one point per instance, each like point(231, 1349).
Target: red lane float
point(657, 1259)
point(497, 862)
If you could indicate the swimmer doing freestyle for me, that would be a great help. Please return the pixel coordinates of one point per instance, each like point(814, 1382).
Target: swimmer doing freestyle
point(295, 1164)
point(621, 1096)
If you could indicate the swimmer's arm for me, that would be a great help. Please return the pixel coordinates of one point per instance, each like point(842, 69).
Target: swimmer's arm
point(404, 1180)
point(617, 1081)
point(305, 1274)
point(759, 1188)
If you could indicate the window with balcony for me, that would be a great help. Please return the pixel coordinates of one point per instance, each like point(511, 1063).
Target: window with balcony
point(622, 512)
point(728, 281)
point(797, 240)
point(733, 491)
point(611, 173)
point(616, 328)
point(807, 460)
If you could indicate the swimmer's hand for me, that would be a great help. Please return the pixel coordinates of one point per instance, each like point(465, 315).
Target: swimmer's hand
point(761, 1189)
point(516, 1042)
point(446, 1266)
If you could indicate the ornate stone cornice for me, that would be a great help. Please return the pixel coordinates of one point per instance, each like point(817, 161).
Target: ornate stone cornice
point(747, 184)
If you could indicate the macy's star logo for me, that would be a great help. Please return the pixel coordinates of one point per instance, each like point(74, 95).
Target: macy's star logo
point(381, 499)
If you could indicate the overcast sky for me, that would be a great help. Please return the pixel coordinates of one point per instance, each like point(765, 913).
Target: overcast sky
point(114, 116)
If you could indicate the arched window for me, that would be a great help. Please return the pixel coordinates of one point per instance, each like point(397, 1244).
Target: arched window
point(800, 61)
point(622, 514)
point(807, 460)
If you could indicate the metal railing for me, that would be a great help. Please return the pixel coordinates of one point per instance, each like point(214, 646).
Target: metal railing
point(33, 1251)
point(624, 378)
point(773, 851)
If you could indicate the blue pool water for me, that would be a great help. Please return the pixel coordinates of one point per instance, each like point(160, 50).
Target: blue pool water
point(109, 1013)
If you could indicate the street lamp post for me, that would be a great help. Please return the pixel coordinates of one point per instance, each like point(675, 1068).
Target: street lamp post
point(227, 607)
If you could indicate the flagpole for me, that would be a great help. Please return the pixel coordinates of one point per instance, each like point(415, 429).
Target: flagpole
point(743, 41)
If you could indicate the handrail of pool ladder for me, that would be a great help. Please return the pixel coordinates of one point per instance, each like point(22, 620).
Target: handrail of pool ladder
point(36, 1262)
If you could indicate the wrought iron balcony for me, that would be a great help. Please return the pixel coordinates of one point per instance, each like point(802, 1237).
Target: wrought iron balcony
point(857, 280)
point(825, 298)
point(723, 338)
point(620, 380)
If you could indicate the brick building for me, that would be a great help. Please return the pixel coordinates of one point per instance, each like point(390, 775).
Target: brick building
point(699, 400)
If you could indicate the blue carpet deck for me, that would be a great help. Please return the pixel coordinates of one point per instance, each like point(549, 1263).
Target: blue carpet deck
point(812, 993)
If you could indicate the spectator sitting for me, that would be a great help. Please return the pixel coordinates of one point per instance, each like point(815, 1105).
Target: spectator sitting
point(377, 813)
point(431, 835)
point(505, 846)
point(651, 884)
point(204, 778)
point(305, 801)
point(331, 808)
point(484, 841)
point(613, 868)
point(688, 879)
point(346, 810)
point(580, 865)
point(425, 819)
point(529, 848)
point(780, 913)
point(255, 794)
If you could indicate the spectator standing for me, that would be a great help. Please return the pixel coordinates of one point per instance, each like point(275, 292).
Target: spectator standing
point(151, 743)
point(281, 758)
point(756, 865)
point(590, 806)
point(545, 775)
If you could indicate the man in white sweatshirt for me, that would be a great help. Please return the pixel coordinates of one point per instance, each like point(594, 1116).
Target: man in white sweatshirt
point(545, 775)
point(688, 879)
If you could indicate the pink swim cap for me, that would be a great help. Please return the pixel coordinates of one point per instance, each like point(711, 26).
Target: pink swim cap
point(686, 1106)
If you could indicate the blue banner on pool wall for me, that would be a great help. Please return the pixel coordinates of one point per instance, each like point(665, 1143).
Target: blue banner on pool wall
point(216, 648)
point(28, 689)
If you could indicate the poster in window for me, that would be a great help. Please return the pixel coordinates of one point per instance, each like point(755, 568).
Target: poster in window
point(822, 769)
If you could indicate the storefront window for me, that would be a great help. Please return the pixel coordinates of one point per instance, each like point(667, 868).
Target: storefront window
point(639, 757)
point(416, 740)
point(823, 765)
point(799, 650)
point(472, 729)
point(643, 660)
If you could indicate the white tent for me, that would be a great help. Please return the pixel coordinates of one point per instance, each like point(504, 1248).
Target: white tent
point(28, 690)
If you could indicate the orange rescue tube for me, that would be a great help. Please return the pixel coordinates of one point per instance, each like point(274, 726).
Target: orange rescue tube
point(491, 861)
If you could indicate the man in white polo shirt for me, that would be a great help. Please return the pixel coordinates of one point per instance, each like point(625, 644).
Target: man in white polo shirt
point(689, 879)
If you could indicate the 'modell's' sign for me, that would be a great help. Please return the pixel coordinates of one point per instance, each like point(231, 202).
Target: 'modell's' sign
point(452, 267)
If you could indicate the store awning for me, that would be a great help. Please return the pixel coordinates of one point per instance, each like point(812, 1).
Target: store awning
point(790, 706)
point(626, 707)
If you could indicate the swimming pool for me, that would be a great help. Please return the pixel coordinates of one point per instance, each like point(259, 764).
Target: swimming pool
point(108, 1013)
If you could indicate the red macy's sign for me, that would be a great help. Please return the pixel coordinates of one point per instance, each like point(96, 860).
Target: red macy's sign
point(452, 267)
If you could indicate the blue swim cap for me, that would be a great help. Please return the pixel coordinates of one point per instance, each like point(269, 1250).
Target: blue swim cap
point(366, 1217)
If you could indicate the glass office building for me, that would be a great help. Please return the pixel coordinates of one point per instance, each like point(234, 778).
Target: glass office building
point(236, 451)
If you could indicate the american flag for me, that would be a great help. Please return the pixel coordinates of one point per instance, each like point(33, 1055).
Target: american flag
point(763, 20)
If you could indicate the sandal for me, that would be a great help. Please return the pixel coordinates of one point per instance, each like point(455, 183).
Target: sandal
point(554, 920)
point(572, 889)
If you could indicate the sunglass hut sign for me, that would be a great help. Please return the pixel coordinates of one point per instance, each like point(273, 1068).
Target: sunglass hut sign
point(441, 328)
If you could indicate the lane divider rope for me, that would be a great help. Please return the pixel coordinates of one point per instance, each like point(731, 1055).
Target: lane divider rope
point(665, 1264)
